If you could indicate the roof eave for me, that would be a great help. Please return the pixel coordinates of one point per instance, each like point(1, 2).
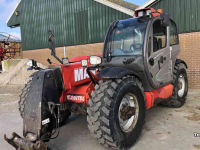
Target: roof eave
point(13, 11)
point(147, 4)
point(117, 7)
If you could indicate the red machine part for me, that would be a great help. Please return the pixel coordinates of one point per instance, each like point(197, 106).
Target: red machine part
point(2, 54)
point(76, 81)
point(153, 11)
point(159, 94)
point(78, 86)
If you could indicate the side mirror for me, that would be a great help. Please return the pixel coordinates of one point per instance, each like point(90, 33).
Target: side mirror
point(95, 60)
point(166, 19)
point(52, 44)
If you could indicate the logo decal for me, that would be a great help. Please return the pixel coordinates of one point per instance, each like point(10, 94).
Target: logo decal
point(76, 98)
point(81, 74)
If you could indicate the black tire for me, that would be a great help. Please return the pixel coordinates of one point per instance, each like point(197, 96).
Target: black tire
point(22, 98)
point(102, 118)
point(175, 100)
point(64, 116)
point(22, 104)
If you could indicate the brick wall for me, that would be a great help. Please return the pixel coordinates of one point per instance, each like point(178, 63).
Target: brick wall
point(189, 45)
point(41, 55)
point(190, 53)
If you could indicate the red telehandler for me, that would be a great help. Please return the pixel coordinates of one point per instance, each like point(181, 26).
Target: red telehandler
point(138, 69)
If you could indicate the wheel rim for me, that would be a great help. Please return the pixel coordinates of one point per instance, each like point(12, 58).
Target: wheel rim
point(181, 85)
point(128, 106)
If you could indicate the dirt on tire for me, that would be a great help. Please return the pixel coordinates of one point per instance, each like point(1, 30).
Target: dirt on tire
point(101, 117)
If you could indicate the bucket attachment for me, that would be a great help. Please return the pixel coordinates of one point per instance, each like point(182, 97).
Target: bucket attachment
point(23, 144)
point(42, 112)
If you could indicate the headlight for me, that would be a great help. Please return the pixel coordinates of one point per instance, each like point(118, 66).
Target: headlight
point(65, 61)
point(84, 62)
point(30, 62)
point(95, 60)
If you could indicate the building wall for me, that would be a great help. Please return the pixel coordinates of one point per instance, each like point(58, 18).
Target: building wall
point(190, 53)
point(184, 12)
point(75, 22)
point(41, 55)
point(189, 45)
point(187, 17)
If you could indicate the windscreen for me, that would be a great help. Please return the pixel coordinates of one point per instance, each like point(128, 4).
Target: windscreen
point(127, 37)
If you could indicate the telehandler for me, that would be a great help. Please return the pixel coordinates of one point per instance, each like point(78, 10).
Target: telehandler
point(138, 69)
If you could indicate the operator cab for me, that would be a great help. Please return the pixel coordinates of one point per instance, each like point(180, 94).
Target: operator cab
point(127, 37)
point(145, 46)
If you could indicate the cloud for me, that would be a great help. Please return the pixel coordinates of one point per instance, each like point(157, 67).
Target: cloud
point(6, 8)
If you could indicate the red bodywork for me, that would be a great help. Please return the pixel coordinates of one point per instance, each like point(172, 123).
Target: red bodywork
point(158, 94)
point(78, 86)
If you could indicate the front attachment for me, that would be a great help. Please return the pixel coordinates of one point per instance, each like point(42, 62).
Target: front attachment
point(42, 111)
point(23, 144)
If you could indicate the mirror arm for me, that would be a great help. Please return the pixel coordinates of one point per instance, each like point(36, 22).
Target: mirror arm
point(58, 59)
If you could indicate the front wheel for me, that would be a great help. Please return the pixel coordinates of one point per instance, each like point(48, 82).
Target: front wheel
point(116, 113)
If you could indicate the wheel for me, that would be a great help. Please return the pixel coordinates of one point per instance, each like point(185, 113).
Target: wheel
point(22, 103)
point(22, 98)
point(116, 114)
point(64, 116)
point(180, 83)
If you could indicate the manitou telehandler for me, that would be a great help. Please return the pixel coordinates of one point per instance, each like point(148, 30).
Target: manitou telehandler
point(138, 69)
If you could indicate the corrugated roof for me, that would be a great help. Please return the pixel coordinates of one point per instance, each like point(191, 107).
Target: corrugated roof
point(8, 38)
point(117, 5)
point(148, 3)
point(124, 4)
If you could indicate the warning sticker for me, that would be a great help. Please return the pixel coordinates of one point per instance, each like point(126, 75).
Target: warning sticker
point(45, 121)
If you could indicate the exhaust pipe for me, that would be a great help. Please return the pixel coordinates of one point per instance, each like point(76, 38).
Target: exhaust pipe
point(24, 144)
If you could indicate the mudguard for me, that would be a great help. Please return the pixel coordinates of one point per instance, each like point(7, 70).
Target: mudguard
point(32, 75)
point(178, 61)
point(46, 87)
point(115, 73)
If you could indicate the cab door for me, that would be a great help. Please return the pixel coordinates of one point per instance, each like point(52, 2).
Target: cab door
point(159, 61)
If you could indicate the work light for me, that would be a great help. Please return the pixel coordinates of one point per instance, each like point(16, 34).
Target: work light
point(95, 60)
point(65, 61)
point(84, 62)
point(30, 62)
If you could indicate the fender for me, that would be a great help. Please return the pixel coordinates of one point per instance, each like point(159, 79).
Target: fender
point(115, 73)
point(46, 88)
point(178, 61)
point(32, 75)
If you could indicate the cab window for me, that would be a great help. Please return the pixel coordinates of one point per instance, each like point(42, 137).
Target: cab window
point(159, 36)
point(173, 34)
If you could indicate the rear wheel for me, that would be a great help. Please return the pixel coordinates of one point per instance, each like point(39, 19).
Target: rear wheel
point(116, 113)
point(180, 90)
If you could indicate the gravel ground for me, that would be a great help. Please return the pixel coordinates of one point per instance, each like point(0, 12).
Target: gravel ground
point(165, 128)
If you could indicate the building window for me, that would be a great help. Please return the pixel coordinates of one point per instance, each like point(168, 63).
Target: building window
point(173, 34)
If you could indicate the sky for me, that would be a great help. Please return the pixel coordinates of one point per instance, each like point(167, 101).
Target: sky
point(7, 6)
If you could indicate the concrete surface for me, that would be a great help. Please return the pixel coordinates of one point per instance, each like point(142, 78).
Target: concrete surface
point(165, 128)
